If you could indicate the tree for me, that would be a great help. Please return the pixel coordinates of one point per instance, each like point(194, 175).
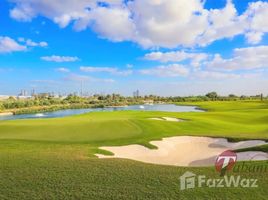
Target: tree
point(11, 98)
point(232, 96)
point(212, 95)
point(2, 106)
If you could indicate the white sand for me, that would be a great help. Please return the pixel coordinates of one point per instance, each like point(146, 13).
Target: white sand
point(6, 113)
point(185, 151)
point(171, 119)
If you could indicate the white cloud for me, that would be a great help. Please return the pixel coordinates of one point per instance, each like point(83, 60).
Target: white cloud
point(35, 44)
point(168, 23)
point(243, 59)
point(76, 77)
point(256, 15)
point(83, 78)
point(8, 45)
point(177, 56)
point(62, 69)
point(129, 66)
point(23, 11)
point(254, 37)
point(173, 70)
point(30, 43)
point(215, 75)
point(159, 23)
point(223, 23)
point(102, 20)
point(225, 87)
point(111, 70)
point(55, 58)
point(61, 12)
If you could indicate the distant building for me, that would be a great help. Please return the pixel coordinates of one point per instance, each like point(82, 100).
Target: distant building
point(24, 97)
point(136, 94)
point(22, 93)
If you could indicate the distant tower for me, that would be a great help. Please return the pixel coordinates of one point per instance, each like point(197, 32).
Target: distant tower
point(23, 93)
point(136, 94)
point(81, 89)
point(33, 92)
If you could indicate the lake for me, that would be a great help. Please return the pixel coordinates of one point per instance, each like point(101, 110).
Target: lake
point(69, 112)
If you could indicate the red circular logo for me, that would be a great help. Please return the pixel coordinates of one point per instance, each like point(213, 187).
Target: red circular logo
point(225, 161)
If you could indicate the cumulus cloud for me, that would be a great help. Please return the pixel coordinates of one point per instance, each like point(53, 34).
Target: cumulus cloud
point(61, 12)
point(255, 15)
point(168, 23)
point(112, 23)
point(110, 70)
point(243, 59)
point(35, 44)
point(173, 70)
point(8, 45)
point(30, 43)
point(55, 58)
point(177, 56)
point(223, 23)
point(62, 69)
point(254, 37)
point(161, 23)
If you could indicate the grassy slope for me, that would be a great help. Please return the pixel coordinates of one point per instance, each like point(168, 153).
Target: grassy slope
point(230, 119)
point(53, 158)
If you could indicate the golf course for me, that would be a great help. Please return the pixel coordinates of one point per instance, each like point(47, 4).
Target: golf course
point(55, 158)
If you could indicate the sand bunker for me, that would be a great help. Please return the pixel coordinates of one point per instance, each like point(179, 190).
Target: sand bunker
point(171, 119)
point(185, 151)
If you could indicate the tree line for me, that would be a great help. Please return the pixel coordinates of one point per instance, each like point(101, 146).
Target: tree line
point(50, 102)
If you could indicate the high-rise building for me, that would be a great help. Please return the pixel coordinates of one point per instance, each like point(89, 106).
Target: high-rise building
point(136, 94)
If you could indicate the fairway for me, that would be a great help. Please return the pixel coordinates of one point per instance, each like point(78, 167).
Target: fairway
point(54, 158)
point(236, 120)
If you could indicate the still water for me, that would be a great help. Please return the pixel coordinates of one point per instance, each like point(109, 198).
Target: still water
point(69, 112)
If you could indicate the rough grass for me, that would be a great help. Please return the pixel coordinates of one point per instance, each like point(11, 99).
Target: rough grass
point(54, 158)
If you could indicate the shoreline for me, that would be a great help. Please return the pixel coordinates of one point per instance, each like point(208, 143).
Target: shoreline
point(6, 113)
point(38, 109)
point(117, 106)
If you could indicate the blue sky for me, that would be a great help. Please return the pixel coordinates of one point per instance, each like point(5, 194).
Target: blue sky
point(170, 47)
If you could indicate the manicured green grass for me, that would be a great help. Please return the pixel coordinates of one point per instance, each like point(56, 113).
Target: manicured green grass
point(54, 158)
point(224, 119)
